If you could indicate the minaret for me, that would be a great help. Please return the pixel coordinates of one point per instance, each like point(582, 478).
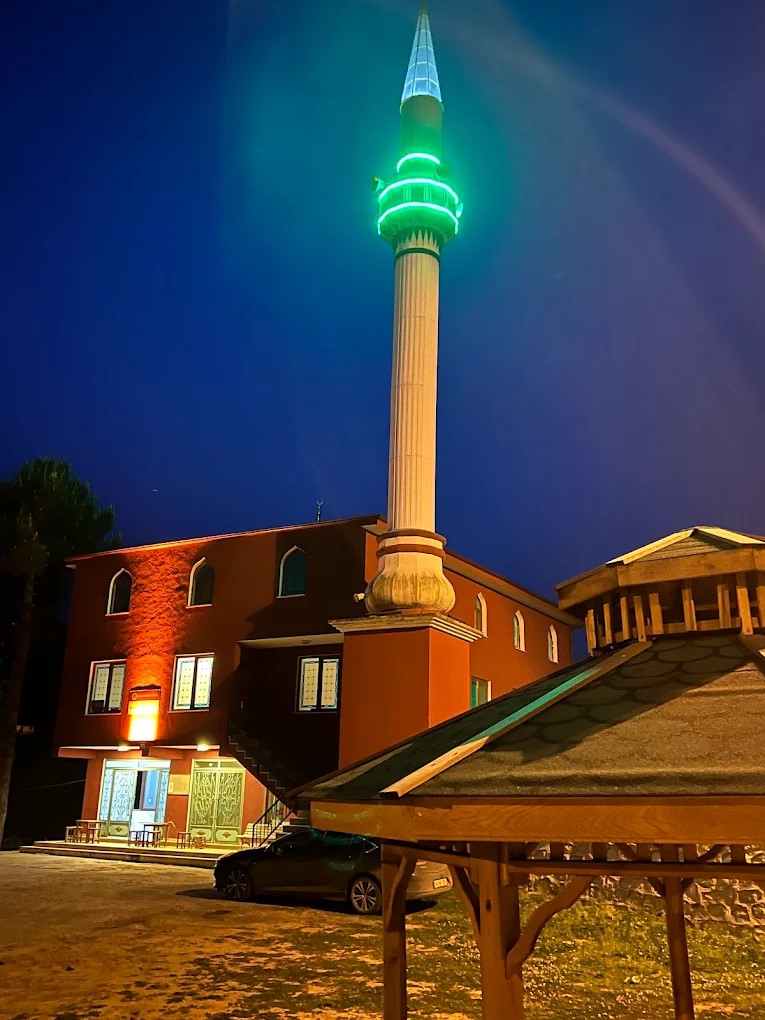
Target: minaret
point(418, 213)
point(406, 663)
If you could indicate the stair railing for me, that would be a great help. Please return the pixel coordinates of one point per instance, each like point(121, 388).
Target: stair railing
point(272, 818)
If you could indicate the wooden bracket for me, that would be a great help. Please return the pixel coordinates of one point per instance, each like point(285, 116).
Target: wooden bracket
point(564, 899)
point(468, 893)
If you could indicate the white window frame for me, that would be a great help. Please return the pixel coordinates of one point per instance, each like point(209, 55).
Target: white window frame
point(480, 680)
point(111, 663)
point(317, 706)
point(519, 632)
point(479, 606)
point(552, 644)
point(110, 597)
point(197, 566)
point(297, 594)
point(197, 657)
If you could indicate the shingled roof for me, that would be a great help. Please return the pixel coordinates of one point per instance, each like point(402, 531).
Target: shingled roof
point(680, 716)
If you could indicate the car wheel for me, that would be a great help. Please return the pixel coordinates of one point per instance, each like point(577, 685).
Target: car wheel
point(365, 895)
point(237, 884)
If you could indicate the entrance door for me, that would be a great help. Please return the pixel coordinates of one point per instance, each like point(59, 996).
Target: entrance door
point(216, 799)
point(117, 798)
point(133, 791)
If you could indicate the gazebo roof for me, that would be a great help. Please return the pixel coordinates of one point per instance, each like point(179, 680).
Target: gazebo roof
point(677, 717)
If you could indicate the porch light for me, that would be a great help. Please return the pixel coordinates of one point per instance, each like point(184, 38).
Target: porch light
point(143, 714)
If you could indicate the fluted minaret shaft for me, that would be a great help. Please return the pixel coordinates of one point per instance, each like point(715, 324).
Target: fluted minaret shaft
point(412, 466)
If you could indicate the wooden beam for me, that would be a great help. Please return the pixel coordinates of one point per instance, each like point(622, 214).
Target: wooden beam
point(500, 923)
point(680, 568)
point(723, 605)
point(657, 621)
point(637, 605)
point(447, 857)
point(689, 608)
point(682, 990)
point(624, 610)
point(551, 819)
point(524, 947)
point(744, 606)
point(608, 630)
point(396, 872)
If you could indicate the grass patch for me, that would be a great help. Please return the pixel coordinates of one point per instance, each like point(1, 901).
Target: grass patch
point(593, 962)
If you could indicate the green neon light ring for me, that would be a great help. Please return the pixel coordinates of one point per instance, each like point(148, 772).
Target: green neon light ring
point(419, 205)
point(417, 155)
point(419, 180)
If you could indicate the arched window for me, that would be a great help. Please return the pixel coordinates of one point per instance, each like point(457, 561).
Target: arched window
point(519, 632)
point(552, 644)
point(201, 584)
point(292, 573)
point(119, 593)
point(479, 613)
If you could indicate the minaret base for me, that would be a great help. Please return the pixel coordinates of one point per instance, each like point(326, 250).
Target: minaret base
point(402, 673)
point(411, 574)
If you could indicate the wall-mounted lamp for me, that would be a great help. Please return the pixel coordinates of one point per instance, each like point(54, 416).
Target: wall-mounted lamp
point(202, 746)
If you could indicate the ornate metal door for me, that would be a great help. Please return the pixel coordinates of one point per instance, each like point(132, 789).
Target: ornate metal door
point(215, 800)
point(117, 796)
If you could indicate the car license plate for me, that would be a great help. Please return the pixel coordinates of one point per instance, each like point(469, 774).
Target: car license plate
point(439, 883)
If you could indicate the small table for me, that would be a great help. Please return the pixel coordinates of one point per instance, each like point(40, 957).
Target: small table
point(90, 828)
point(156, 833)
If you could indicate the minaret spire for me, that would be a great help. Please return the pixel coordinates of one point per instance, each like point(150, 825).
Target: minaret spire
point(422, 74)
point(419, 214)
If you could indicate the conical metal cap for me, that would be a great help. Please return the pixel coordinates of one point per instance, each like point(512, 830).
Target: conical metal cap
point(422, 76)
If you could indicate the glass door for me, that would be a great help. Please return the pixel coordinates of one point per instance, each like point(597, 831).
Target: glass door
point(133, 792)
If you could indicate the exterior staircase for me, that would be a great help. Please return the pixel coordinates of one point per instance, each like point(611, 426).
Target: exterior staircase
point(259, 758)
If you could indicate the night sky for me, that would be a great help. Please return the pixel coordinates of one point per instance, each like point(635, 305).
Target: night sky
point(196, 310)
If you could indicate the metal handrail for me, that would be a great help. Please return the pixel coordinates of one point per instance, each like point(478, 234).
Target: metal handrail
point(272, 818)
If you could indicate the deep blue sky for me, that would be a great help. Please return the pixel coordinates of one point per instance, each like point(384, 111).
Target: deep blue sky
point(194, 300)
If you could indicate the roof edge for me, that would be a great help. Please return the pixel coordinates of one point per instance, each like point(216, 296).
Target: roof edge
point(364, 520)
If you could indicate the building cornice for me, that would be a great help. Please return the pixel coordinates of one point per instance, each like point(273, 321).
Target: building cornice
point(330, 638)
point(409, 621)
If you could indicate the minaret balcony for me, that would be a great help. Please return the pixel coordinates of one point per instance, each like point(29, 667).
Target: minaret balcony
point(418, 203)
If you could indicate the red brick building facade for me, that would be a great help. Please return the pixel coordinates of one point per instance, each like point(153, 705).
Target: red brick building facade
point(203, 675)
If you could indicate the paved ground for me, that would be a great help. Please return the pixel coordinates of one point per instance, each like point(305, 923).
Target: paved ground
point(92, 940)
point(88, 939)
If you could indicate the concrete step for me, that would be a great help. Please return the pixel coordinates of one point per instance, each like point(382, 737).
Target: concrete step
point(135, 855)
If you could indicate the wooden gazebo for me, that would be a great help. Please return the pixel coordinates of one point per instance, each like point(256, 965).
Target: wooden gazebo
point(651, 752)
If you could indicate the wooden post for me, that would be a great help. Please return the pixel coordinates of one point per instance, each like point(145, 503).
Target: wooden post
point(689, 609)
point(682, 990)
point(608, 629)
point(657, 621)
point(744, 606)
point(624, 609)
point(589, 626)
point(760, 589)
point(637, 604)
point(723, 605)
point(502, 997)
point(396, 872)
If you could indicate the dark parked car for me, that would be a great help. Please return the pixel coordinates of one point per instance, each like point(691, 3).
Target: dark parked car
point(329, 865)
